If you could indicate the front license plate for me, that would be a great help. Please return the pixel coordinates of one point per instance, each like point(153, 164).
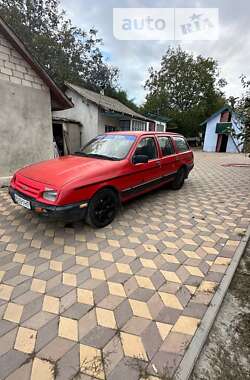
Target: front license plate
point(22, 202)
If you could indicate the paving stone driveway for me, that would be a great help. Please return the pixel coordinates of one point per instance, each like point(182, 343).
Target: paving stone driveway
point(126, 300)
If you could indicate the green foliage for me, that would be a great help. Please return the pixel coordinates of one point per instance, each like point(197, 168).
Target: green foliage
point(122, 96)
point(186, 89)
point(68, 53)
point(242, 108)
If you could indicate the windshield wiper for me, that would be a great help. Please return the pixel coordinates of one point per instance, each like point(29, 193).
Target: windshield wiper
point(79, 153)
point(102, 156)
point(96, 155)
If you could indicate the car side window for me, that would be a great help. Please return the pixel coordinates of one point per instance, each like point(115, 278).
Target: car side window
point(147, 147)
point(165, 146)
point(181, 144)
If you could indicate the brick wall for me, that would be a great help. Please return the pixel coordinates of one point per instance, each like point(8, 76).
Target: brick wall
point(15, 69)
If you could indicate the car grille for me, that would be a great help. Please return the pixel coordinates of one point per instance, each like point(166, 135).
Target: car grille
point(25, 186)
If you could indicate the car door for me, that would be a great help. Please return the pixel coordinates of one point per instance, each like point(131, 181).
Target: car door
point(145, 176)
point(184, 155)
point(168, 157)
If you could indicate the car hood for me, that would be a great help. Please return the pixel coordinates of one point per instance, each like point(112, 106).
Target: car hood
point(62, 170)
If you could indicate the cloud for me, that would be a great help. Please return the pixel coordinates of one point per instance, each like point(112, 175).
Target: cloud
point(133, 58)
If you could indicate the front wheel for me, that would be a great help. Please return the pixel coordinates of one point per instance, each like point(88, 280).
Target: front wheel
point(179, 179)
point(102, 208)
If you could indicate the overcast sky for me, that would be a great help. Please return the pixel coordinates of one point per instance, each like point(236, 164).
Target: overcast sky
point(133, 58)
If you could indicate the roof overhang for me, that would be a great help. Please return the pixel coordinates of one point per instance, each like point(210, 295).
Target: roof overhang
point(159, 118)
point(58, 119)
point(225, 108)
point(123, 116)
point(105, 103)
point(59, 100)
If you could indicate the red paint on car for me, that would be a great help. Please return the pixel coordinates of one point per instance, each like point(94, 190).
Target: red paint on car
point(126, 163)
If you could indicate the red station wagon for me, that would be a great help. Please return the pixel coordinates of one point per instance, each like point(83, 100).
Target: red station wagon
point(110, 169)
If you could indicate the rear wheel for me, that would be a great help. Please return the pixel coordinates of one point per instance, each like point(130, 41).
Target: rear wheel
point(179, 179)
point(102, 208)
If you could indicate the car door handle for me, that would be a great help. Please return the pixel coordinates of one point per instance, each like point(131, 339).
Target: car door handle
point(158, 163)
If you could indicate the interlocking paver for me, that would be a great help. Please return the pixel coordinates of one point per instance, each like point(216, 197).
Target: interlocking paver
point(25, 340)
point(7, 341)
point(22, 372)
point(75, 301)
point(69, 364)
point(91, 361)
point(56, 349)
point(98, 337)
point(68, 328)
point(42, 369)
point(13, 312)
point(47, 333)
point(10, 361)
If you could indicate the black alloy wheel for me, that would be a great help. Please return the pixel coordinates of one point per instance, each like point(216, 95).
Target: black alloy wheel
point(102, 208)
point(179, 179)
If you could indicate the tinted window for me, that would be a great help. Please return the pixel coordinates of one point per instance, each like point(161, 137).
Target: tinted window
point(181, 144)
point(165, 145)
point(147, 147)
point(124, 125)
point(109, 128)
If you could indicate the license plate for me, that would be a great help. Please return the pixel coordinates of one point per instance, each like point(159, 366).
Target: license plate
point(22, 202)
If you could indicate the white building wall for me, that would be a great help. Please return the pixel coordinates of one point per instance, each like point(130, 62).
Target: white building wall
point(231, 148)
point(160, 126)
point(84, 112)
point(210, 139)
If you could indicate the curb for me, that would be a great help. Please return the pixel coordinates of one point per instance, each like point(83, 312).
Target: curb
point(187, 364)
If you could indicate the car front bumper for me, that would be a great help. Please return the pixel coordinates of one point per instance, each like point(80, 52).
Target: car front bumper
point(71, 212)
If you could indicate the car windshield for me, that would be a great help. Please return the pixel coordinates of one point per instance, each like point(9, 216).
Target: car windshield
point(111, 147)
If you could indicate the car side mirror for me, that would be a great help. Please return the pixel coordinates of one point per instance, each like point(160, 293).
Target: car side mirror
point(140, 159)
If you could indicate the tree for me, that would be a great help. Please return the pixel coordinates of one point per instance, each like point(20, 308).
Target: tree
point(68, 53)
point(242, 108)
point(122, 96)
point(186, 88)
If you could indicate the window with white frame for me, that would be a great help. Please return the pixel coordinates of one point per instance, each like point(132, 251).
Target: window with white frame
point(138, 125)
point(160, 127)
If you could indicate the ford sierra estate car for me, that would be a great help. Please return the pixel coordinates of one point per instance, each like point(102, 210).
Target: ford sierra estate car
point(110, 169)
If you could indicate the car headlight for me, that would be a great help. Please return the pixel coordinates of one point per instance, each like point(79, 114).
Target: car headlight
point(50, 195)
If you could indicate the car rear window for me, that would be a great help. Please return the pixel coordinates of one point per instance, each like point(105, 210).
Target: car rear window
point(181, 144)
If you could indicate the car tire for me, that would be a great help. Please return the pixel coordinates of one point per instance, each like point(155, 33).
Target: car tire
point(179, 179)
point(102, 208)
